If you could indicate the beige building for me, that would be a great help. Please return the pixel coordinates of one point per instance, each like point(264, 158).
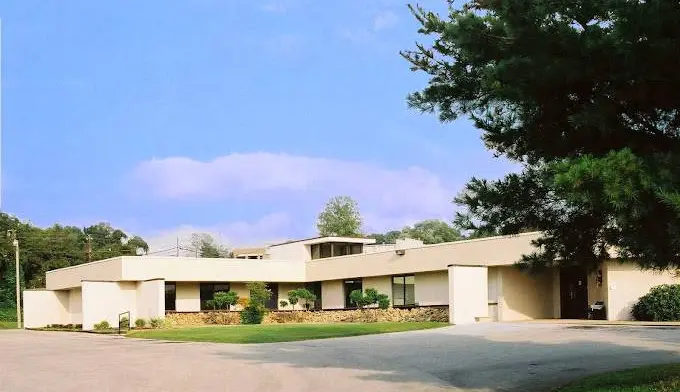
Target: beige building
point(476, 279)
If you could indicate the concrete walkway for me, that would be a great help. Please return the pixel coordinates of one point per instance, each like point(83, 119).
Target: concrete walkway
point(482, 357)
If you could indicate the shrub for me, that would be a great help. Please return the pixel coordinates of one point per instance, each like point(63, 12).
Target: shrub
point(294, 296)
point(252, 314)
point(140, 323)
point(223, 299)
point(102, 325)
point(371, 297)
point(124, 322)
point(156, 322)
point(242, 302)
point(283, 304)
point(662, 303)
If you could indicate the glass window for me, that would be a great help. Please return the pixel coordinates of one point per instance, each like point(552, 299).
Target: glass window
point(315, 251)
point(170, 295)
point(341, 249)
point(325, 250)
point(356, 249)
point(315, 287)
point(208, 291)
point(351, 285)
point(404, 290)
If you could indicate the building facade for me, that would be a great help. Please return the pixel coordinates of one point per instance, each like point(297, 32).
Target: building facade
point(477, 279)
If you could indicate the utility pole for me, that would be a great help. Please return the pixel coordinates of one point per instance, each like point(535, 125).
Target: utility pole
point(12, 234)
point(88, 238)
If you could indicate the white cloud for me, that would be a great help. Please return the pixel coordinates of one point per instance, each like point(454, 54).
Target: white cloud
point(385, 196)
point(384, 20)
point(270, 228)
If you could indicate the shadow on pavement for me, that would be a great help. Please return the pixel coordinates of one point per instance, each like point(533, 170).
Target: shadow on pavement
point(502, 358)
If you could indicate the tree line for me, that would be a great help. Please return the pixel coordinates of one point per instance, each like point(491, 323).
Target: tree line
point(57, 246)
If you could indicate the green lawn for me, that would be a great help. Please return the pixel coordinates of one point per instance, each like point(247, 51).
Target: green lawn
point(269, 333)
point(660, 378)
point(8, 324)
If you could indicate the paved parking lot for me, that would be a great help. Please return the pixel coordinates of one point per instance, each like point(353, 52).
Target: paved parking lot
point(482, 357)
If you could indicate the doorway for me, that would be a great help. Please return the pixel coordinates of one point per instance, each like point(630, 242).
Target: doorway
point(574, 293)
point(273, 302)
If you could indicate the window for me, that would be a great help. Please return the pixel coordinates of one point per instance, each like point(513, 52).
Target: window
point(208, 290)
point(404, 290)
point(315, 287)
point(170, 295)
point(325, 250)
point(351, 285)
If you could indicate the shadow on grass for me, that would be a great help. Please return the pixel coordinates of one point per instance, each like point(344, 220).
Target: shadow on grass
point(478, 358)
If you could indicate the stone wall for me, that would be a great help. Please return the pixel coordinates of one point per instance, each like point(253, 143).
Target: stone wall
point(440, 314)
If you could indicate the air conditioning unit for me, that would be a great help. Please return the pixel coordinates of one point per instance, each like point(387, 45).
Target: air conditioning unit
point(400, 252)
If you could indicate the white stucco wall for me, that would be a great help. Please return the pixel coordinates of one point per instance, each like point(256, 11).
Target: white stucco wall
point(75, 303)
point(432, 288)
point(188, 297)
point(106, 300)
point(468, 294)
point(150, 299)
point(626, 283)
point(332, 294)
point(45, 307)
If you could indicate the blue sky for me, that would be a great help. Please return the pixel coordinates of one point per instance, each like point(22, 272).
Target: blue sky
point(234, 117)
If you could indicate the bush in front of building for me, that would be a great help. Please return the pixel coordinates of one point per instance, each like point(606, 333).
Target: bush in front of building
point(102, 325)
point(371, 297)
point(254, 311)
point(140, 323)
point(252, 314)
point(662, 303)
point(302, 294)
point(156, 322)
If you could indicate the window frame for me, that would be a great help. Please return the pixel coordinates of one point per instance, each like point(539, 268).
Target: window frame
point(404, 285)
point(203, 291)
point(174, 296)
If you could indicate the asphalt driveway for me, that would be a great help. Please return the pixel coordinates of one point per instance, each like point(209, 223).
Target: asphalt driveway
point(482, 357)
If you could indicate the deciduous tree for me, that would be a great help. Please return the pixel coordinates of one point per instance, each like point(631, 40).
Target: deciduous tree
point(340, 217)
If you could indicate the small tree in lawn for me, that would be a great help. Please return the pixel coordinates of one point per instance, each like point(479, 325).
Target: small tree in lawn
point(294, 296)
point(223, 299)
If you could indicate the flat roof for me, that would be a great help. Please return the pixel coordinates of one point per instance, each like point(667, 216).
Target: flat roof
point(320, 240)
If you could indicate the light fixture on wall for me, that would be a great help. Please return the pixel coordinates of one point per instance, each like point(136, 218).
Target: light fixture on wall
point(400, 252)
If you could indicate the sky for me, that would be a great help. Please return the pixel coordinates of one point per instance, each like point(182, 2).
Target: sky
point(238, 118)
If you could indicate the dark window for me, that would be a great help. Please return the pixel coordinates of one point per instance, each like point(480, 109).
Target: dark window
point(403, 290)
point(351, 285)
point(315, 287)
point(208, 291)
point(356, 249)
point(315, 249)
point(170, 295)
point(325, 251)
point(273, 302)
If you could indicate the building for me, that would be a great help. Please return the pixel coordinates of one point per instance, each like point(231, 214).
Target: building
point(475, 278)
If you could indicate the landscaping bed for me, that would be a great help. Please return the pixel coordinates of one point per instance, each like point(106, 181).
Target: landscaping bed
point(658, 378)
point(419, 314)
point(278, 332)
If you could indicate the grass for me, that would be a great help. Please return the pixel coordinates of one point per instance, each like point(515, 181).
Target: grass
point(8, 324)
point(659, 378)
point(270, 333)
point(8, 318)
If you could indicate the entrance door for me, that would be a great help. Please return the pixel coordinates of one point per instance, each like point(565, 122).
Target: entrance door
point(574, 293)
point(273, 302)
